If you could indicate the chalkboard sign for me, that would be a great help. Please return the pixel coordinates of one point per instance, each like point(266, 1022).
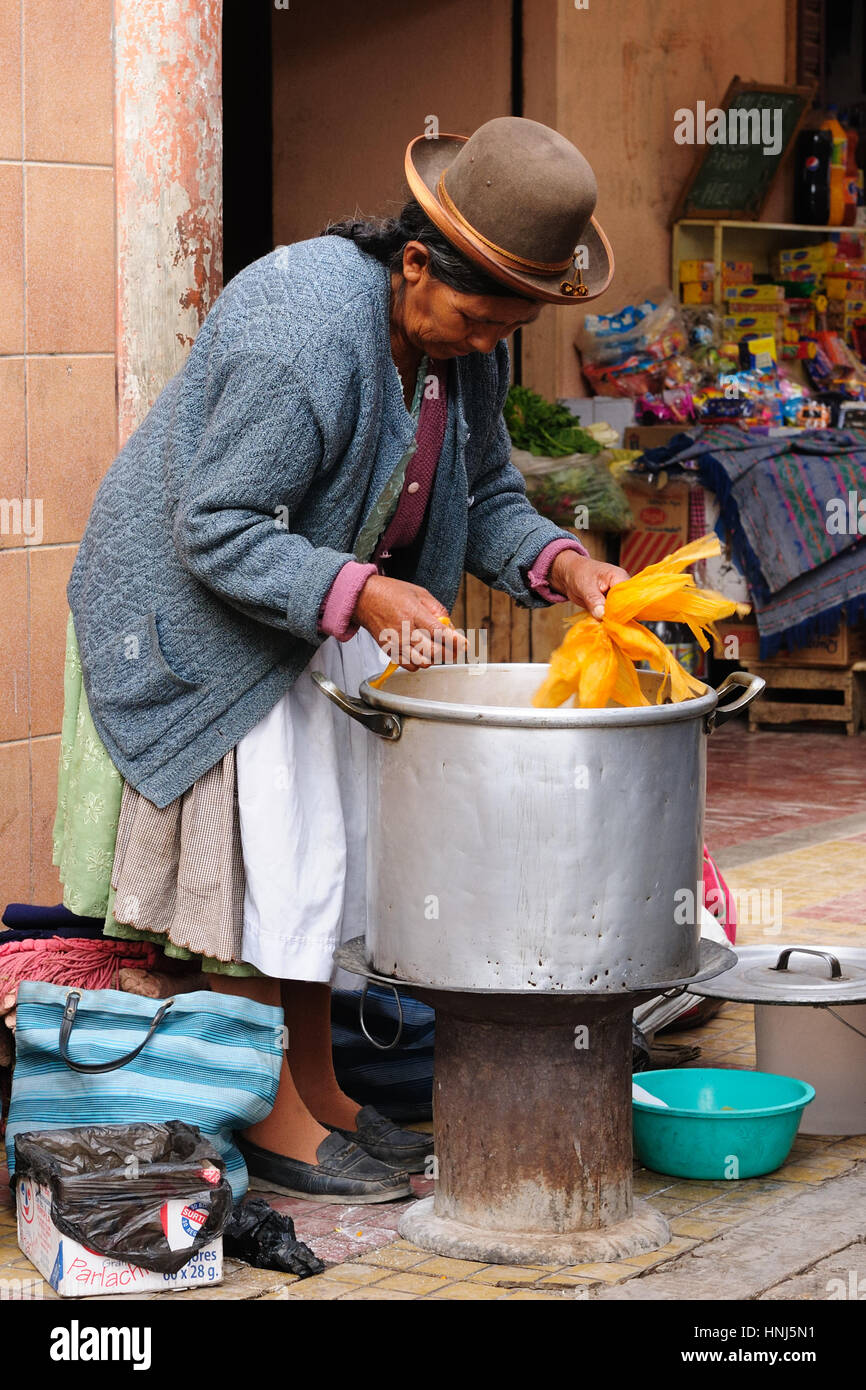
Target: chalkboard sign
point(741, 147)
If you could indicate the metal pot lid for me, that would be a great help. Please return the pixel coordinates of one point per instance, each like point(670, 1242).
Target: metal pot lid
point(791, 975)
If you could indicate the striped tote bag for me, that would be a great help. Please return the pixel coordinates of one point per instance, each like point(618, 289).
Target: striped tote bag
point(105, 1057)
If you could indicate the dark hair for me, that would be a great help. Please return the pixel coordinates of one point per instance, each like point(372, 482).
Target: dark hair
point(385, 238)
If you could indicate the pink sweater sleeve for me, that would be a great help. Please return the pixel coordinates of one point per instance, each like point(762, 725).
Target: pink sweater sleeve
point(539, 575)
point(336, 618)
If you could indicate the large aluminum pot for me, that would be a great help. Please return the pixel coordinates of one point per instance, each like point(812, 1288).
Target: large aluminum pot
point(513, 848)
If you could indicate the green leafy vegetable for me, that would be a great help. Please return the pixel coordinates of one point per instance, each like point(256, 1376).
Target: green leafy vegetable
point(543, 429)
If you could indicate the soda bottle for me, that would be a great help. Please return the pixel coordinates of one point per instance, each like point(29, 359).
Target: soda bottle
point(812, 178)
point(852, 139)
point(838, 158)
point(679, 639)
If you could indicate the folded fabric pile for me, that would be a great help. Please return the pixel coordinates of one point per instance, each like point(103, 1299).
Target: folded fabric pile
point(78, 963)
point(29, 919)
point(786, 503)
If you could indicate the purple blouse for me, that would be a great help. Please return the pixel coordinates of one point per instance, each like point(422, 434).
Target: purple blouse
point(337, 618)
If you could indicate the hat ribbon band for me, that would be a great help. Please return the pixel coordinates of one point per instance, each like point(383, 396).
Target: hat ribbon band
point(519, 262)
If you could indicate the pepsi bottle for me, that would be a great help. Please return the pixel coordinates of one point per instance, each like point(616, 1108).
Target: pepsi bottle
point(812, 178)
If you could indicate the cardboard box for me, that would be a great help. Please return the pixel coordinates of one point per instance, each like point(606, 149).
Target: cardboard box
point(616, 411)
point(809, 281)
point(837, 649)
point(661, 521)
point(736, 640)
point(737, 272)
point(842, 314)
point(804, 255)
point(758, 294)
point(761, 325)
point(697, 270)
point(76, 1272)
point(762, 353)
point(697, 292)
point(649, 436)
point(844, 287)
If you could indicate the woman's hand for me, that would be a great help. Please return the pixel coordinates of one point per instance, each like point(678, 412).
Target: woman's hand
point(385, 605)
point(583, 580)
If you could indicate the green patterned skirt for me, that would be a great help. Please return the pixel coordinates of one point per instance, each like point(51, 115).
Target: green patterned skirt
point(119, 855)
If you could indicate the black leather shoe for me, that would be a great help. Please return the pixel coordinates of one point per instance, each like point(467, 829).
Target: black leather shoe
point(344, 1173)
point(382, 1139)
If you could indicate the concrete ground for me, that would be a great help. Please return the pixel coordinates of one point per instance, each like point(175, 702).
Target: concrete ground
point(787, 821)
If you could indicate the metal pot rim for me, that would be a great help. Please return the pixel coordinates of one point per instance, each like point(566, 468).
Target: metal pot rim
point(527, 717)
point(714, 959)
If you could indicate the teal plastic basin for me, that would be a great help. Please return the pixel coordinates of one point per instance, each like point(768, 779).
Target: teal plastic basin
point(698, 1136)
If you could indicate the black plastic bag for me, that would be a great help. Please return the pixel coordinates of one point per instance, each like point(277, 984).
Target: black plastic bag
point(110, 1184)
point(266, 1239)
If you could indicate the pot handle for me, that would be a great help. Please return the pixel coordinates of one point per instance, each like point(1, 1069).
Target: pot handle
point(782, 962)
point(722, 713)
point(383, 1047)
point(389, 726)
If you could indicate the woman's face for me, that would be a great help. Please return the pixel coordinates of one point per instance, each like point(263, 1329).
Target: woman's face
point(446, 323)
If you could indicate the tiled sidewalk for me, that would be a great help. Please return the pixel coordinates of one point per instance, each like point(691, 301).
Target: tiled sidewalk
point(763, 790)
point(697, 1212)
point(392, 1269)
point(770, 782)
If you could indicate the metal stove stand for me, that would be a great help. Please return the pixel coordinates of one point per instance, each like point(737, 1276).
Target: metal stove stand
point(533, 1122)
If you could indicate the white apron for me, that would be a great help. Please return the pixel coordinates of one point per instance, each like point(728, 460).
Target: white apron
point(302, 806)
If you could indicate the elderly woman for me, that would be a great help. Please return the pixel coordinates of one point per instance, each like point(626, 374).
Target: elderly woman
point(329, 460)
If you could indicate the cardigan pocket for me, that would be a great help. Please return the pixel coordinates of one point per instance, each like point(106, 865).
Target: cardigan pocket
point(137, 689)
point(159, 657)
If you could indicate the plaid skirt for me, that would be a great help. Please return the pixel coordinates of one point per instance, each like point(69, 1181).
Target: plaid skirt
point(179, 869)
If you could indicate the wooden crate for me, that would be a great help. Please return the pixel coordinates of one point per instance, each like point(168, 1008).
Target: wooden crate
point(515, 633)
point(848, 682)
point(841, 648)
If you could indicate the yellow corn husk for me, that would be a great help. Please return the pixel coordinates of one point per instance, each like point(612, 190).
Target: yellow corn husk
point(393, 666)
point(595, 662)
point(388, 671)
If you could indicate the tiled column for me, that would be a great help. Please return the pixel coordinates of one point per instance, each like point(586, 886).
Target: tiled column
point(57, 411)
point(79, 253)
point(168, 122)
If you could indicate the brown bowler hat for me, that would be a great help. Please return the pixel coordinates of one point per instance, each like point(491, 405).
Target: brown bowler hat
point(516, 198)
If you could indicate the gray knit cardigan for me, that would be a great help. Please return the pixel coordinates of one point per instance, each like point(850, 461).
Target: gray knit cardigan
point(220, 527)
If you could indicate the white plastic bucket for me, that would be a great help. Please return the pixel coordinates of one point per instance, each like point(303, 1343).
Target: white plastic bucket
point(815, 1045)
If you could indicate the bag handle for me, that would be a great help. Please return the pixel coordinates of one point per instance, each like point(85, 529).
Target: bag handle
point(73, 999)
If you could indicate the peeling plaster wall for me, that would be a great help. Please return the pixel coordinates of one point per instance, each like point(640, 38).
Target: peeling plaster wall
point(168, 162)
